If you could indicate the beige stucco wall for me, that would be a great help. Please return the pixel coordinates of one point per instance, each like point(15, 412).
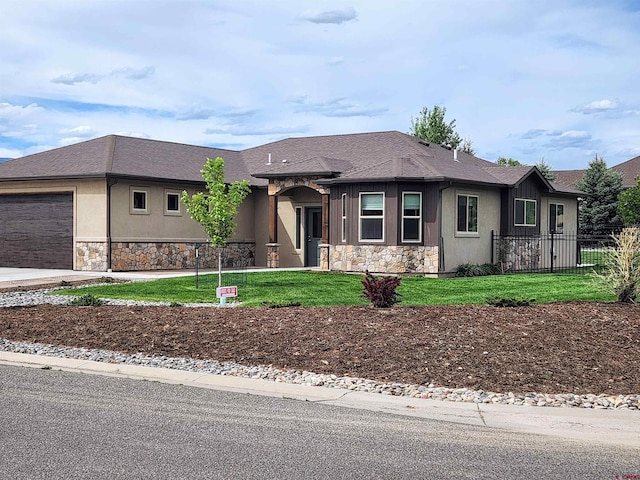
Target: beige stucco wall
point(90, 203)
point(287, 202)
point(570, 213)
point(260, 220)
point(564, 246)
point(460, 248)
point(158, 225)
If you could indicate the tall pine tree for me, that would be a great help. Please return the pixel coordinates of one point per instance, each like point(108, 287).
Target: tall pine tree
point(598, 208)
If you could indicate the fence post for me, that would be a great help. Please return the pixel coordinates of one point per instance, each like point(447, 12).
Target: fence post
point(552, 252)
point(493, 246)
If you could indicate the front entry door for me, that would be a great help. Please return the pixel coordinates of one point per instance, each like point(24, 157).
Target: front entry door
point(313, 232)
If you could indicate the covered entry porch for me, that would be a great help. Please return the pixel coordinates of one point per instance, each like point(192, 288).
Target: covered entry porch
point(298, 223)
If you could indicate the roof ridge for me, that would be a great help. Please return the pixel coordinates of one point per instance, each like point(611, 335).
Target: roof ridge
point(111, 148)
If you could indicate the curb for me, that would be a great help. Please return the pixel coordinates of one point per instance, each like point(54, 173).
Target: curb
point(610, 427)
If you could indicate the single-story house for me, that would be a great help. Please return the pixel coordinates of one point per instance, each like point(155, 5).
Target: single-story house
point(630, 171)
point(383, 202)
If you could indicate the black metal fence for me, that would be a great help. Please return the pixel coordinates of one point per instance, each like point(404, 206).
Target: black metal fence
point(551, 252)
point(234, 266)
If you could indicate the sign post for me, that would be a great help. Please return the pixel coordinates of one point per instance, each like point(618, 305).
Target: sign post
point(224, 292)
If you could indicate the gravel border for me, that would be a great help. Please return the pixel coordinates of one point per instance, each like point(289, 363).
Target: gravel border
point(35, 297)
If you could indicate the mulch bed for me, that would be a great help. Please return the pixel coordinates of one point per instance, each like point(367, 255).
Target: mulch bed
point(576, 347)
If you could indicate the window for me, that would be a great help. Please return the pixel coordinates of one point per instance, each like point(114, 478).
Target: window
point(525, 212)
point(372, 217)
point(298, 228)
point(556, 218)
point(467, 214)
point(171, 203)
point(139, 199)
point(343, 227)
point(411, 217)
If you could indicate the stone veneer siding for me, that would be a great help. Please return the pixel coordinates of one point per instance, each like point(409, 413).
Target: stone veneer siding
point(91, 256)
point(169, 256)
point(384, 258)
point(519, 254)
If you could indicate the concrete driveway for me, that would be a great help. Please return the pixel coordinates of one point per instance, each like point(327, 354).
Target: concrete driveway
point(22, 277)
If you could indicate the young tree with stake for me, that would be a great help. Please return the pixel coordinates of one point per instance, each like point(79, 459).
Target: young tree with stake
point(215, 210)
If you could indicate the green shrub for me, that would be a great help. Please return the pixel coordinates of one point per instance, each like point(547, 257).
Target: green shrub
point(510, 301)
point(381, 291)
point(86, 300)
point(474, 270)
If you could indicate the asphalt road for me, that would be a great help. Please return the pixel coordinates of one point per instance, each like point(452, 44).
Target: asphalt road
point(61, 425)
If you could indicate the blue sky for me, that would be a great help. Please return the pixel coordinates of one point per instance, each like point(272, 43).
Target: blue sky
point(530, 80)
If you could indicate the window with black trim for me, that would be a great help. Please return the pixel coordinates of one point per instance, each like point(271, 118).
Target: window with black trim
point(372, 217)
point(556, 218)
point(139, 200)
point(525, 212)
point(467, 214)
point(171, 203)
point(411, 217)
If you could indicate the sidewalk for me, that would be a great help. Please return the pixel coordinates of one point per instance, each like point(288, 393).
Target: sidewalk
point(607, 427)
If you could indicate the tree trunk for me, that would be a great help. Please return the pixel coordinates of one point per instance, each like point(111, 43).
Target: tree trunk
point(219, 267)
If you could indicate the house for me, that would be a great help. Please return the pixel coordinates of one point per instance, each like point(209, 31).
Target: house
point(630, 171)
point(383, 202)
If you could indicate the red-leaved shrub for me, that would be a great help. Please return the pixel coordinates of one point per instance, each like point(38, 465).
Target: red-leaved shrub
point(381, 291)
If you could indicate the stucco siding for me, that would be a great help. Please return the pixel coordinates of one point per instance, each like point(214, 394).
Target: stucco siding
point(468, 247)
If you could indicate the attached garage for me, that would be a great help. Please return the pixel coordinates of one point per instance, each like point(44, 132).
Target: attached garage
point(36, 230)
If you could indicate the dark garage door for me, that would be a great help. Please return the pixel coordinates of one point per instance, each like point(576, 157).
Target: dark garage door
point(36, 231)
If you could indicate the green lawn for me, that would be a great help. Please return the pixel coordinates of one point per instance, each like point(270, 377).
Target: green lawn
point(326, 289)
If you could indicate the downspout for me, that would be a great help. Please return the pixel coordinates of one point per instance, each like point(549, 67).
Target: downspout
point(440, 238)
point(110, 182)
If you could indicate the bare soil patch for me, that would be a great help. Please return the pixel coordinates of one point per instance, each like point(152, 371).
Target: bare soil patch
point(576, 347)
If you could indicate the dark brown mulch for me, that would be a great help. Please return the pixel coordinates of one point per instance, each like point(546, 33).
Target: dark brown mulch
point(554, 348)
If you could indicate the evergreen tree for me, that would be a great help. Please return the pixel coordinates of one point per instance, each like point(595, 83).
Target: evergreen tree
point(598, 208)
point(545, 170)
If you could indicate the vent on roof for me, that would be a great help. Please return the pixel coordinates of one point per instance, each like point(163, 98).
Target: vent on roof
point(269, 161)
point(424, 143)
point(455, 154)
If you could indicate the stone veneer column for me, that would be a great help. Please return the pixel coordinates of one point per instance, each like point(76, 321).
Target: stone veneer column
point(91, 256)
point(324, 256)
point(273, 255)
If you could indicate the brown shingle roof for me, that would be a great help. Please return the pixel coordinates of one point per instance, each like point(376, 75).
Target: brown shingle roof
point(630, 170)
point(569, 177)
point(359, 157)
point(123, 156)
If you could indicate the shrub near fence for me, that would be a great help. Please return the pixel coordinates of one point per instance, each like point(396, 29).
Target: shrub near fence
point(551, 252)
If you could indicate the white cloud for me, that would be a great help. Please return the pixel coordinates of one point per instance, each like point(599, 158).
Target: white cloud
point(226, 72)
point(346, 14)
point(598, 106)
point(127, 73)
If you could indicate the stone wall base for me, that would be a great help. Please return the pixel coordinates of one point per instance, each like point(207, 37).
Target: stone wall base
point(518, 254)
point(273, 255)
point(92, 256)
point(384, 258)
point(175, 256)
